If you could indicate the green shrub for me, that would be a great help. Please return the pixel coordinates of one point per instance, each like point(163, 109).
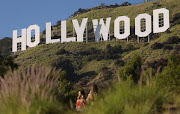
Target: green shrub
point(157, 46)
point(129, 47)
point(132, 68)
point(177, 48)
point(61, 51)
point(63, 63)
point(112, 52)
point(64, 87)
point(7, 64)
point(173, 40)
point(170, 76)
point(155, 64)
point(65, 92)
point(90, 51)
point(176, 19)
point(106, 72)
point(168, 47)
point(119, 62)
point(128, 98)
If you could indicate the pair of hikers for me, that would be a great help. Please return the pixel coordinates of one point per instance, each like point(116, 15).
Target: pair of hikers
point(81, 102)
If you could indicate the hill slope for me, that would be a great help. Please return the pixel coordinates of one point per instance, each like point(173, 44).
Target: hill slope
point(86, 63)
point(130, 11)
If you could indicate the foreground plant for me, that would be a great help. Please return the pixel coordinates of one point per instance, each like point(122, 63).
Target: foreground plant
point(159, 93)
point(29, 91)
point(129, 98)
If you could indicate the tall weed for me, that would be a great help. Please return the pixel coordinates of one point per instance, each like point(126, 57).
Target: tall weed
point(29, 91)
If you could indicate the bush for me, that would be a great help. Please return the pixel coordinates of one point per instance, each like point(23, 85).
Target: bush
point(104, 69)
point(126, 4)
point(79, 11)
point(169, 78)
point(176, 19)
point(65, 91)
point(129, 47)
point(58, 23)
point(173, 40)
point(99, 57)
point(91, 51)
point(132, 68)
point(119, 62)
point(177, 48)
point(128, 98)
point(7, 64)
point(168, 47)
point(30, 91)
point(117, 49)
point(107, 74)
point(61, 51)
point(108, 54)
point(64, 64)
point(112, 52)
point(168, 31)
point(156, 64)
point(157, 45)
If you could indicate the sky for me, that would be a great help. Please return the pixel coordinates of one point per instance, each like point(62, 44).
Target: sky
point(19, 14)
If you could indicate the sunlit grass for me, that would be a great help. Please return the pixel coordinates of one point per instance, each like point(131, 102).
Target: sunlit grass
point(128, 98)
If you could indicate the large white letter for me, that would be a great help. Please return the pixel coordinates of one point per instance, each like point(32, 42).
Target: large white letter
point(48, 34)
point(147, 25)
point(156, 27)
point(80, 29)
point(63, 33)
point(37, 35)
point(21, 40)
point(101, 28)
point(126, 33)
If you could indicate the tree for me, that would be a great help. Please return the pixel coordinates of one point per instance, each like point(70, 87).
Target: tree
point(58, 22)
point(6, 64)
point(102, 5)
point(64, 87)
point(63, 63)
point(126, 4)
point(132, 68)
point(170, 76)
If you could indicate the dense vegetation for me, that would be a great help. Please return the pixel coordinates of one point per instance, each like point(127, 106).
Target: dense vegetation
point(30, 91)
point(5, 46)
point(6, 64)
point(46, 90)
point(154, 92)
point(81, 11)
point(132, 77)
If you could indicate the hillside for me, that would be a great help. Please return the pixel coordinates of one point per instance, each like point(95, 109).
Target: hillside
point(86, 63)
point(106, 77)
point(130, 11)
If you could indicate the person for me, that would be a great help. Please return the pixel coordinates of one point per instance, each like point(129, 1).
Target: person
point(92, 94)
point(80, 104)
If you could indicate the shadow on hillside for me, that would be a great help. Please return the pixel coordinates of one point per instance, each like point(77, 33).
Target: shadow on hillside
point(88, 74)
point(85, 78)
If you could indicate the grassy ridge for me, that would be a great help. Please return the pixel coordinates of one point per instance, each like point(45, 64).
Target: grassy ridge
point(130, 11)
point(86, 67)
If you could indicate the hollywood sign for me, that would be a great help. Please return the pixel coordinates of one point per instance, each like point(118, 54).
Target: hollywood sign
point(101, 29)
